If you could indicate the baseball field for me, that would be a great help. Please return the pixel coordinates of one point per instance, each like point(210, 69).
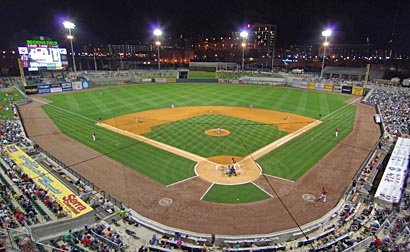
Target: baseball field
point(272, 134)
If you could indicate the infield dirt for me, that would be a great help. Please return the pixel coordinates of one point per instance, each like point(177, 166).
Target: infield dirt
point(213, 169)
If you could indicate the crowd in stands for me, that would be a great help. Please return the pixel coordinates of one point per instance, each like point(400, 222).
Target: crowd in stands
point(394, 107)
point(101, 238)
point(6, 82)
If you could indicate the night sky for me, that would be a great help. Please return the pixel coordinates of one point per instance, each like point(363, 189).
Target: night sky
point(298, 21)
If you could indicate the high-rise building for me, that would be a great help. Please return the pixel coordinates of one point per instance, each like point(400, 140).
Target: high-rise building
point(262, 39)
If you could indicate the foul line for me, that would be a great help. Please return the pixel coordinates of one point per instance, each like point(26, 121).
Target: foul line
point(58, 108)
point(263, 190)
point(287, 180)
point(181, 181)
point(159, 145)
point(270, 147)
point(209, 188)
point(350, 103)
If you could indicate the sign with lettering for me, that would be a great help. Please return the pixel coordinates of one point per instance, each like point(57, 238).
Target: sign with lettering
point(42, 42)
point(71, 203)
point(394, 176)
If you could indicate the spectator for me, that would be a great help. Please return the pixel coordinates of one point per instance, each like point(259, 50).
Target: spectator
point(68, 237)
point(153, 240)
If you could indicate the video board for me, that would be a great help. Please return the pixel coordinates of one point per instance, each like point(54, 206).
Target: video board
point(42, 55)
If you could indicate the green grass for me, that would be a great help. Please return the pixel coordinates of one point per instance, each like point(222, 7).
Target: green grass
point(6, 113)
point(245, 136)
point(76, 114)
point(304, 151)
point(235, 194)
point(201, 75)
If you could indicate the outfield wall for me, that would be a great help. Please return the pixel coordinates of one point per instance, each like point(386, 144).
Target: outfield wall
point(57, 87)
point(346, 88)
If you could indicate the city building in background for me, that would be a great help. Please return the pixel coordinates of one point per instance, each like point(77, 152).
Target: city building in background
point(261, 53)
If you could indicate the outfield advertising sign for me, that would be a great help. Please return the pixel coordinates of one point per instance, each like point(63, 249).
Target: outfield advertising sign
point(66, 86)
point(86, 84)
point(337, 88)
point(328, 87)
point(71, 203)
point(296, 83)
point(77, 85)
point(56, 88)
point(31, 90)
point(303, 84)
point(357, 91)
point(43, 89)
point(319, 86)
point(347, 89)
point(311, 85)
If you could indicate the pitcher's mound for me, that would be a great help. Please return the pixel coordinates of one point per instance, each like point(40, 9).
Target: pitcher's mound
point(214, 132)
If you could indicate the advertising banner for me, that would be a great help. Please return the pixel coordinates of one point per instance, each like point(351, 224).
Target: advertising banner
point(357, 91)
point(86, 84)
point(337, 88)
point(394, 176)
point(319, 86)
point(303, 84)
point(31, 90)
point(347, 89)
point(328, 87)
point(66, 86)
point(56, 88)
point(222, 81)
point(161, 80)
point(72, 204)
point(296, 83)
point(43, 89)
point(77, 85)
point(311, 85)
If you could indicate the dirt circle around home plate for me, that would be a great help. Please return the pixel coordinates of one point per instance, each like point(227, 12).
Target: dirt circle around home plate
point(214, 170)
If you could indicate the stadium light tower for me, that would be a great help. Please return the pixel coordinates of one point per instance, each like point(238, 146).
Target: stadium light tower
point(325, 34)
point(68, 25)
point(158, 33)
point(244, 35)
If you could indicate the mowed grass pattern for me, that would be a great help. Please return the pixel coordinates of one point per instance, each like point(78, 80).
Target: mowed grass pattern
point(235, 193)
point(245, 136)
point(292, 160)
point(76, 113)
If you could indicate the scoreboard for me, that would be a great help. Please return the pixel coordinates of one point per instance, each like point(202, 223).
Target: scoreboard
point(42, 55)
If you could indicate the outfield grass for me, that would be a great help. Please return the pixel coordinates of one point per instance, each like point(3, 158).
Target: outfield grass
point(235, 194)
point(245, 137)
point(293, 159)
point(76, 114)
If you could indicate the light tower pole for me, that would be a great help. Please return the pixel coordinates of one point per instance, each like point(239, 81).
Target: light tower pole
point(69, 25)
point(158, 33)
point(325, 34)
point(244, 35)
